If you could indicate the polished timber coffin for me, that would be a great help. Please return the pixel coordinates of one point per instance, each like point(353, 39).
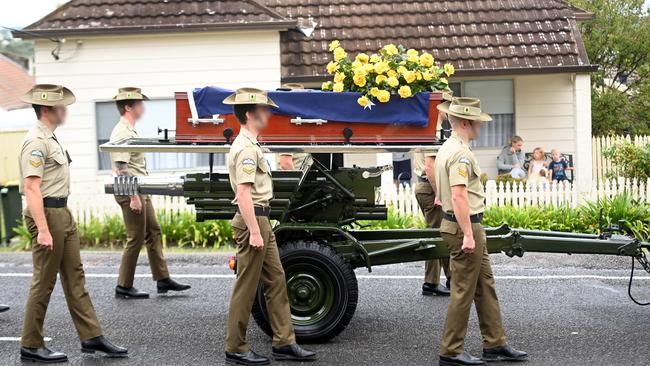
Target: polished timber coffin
point(194, 126)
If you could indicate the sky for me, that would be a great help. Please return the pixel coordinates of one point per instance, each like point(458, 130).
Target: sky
point(20, 13)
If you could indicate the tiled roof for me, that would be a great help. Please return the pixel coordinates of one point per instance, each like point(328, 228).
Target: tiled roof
point(14, 82)
point(477, 36)
point(128, 16)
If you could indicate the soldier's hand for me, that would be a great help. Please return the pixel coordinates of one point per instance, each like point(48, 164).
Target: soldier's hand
point(256, 241)
point(136, 204)
point(468, 244)
point(437, 202)
point(44, 239)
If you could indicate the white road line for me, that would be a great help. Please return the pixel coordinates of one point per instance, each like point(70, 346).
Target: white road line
point(372, 277)
point(17, 339)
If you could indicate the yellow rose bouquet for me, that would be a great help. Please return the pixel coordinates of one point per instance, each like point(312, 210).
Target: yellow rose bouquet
point(392, 72)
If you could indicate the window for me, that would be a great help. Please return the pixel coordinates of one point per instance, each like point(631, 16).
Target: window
point(497, 99)
point(159, 113)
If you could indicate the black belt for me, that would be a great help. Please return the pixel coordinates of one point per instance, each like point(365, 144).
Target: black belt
point(475, 219)
point(55, 202)
point(260, 211)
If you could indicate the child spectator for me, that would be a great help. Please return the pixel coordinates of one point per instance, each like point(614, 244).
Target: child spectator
point(558, 167)
point(537, 167)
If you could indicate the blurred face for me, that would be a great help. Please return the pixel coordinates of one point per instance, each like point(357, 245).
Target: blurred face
point(538, 155)
point(259, 117)
point(555, 155)
point(55, 115)
point(518, 145)
point(137, 110)
point(475, 129)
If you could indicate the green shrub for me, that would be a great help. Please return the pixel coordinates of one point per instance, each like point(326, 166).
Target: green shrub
point(630, 160)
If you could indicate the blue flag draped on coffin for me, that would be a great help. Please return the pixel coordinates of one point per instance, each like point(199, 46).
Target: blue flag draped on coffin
point(330, 106)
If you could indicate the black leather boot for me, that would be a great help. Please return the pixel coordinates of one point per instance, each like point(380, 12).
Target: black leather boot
point(246, 358)
point(429, 289)
point(42, 355)
point(504, 353)
point(463, 359)
point(293, 352)
point(130, 293)
point(170, 285)
point(103, 345)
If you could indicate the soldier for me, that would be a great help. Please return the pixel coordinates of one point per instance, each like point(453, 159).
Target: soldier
point(45, 169)
point(462, 195)
point(425, 193)
point(292, 161)
point(142, 226)
point(257, 257)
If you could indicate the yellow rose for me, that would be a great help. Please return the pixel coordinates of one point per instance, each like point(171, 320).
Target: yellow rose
point(413, 58)
point(381, 67)
point(363, 58)
point(427, 76)
point(374, 91)
point(363, 101)
point(426, 59)
point(444, 81)
point(392, 81)
point(359, 80)
point(374, 58)
point(332, 67)
point(339, 54)
point(383, 96)
point(334, 45)
point(411, 52)
point(380, 79)
point(390, 49)
point(368, 68)
point(449, 69)
point(418, 75)
point(338, 87)
point(401, 70)
point(356, 64)
point(410, 76)
point(339, 77)
point(404, 91)
point(327, 85)
point(391, 73)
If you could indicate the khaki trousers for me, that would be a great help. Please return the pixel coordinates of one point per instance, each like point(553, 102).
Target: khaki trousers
point(471, 281)
point(64, 259)
point(141, 229)
point(425, 196)
point(255, 267)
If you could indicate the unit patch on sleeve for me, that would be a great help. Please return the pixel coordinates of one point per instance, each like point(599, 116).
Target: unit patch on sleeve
point(248, 166)
point(38, 153)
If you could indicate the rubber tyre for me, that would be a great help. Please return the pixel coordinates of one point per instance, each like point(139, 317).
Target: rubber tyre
point(319, 267)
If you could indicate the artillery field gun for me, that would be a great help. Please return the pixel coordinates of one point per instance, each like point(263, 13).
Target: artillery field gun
point(318, 209)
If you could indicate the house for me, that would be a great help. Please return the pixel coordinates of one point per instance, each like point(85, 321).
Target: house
point(525, 59)
point(14, 80)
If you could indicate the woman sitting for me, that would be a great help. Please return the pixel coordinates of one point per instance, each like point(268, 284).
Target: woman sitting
point(511, 159)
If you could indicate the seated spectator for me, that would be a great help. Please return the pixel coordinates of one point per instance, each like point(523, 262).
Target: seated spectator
point(558, 167)
point(537, 168)
point(511, 159)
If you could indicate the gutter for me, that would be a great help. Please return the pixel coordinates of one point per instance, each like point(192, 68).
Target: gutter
point(148, 29)
point(472, 72)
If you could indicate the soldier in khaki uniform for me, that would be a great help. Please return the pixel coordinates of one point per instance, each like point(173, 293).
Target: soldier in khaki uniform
point(140, 219)
point(425, 193)
point(461, 192)
point(293, 161)
point(45, 169)
point(257, 257)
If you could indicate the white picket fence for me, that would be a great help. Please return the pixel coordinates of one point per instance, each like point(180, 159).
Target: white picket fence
point(84, 209)
point(402, 197)
point(603, 167)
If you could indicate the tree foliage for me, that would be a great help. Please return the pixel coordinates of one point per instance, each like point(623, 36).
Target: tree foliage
point(618, 40)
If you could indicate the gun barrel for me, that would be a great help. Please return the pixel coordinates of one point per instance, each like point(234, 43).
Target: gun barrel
point(131, 186)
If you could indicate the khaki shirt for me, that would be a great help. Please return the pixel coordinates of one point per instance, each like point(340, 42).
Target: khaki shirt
point(298, 159)
point(419, 161)
point(456, 165)
point(247, 164)
point(137, 165)
point(43, 156)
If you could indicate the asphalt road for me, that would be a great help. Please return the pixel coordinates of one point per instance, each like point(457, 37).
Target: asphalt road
point(562, 310)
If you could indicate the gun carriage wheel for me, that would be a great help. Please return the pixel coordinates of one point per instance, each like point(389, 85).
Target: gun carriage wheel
point(322, 290)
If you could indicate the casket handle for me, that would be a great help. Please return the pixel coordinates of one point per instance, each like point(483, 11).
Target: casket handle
point(197, 121)
point(315, 121)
